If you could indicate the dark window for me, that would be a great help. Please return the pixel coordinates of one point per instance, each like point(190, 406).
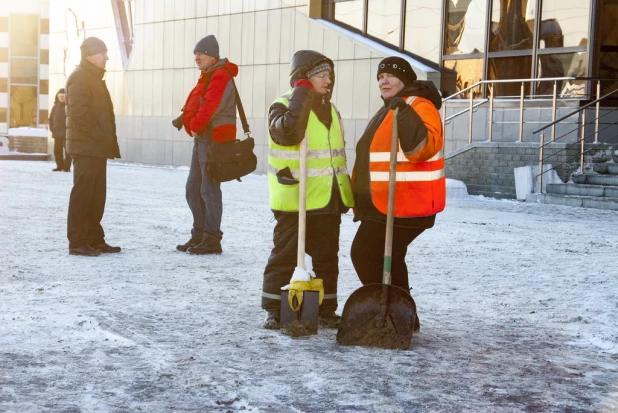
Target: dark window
point(513, 67)
point(3, 85)
point(465, 26)
point(561, 65)
point(2, 115)
point(4, 24)
point(24, 71)
point(469, 72)
point(4, 54)
point(23, 106)
point(24, 35)
point(512, 25)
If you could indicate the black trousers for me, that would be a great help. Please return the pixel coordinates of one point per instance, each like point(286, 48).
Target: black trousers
point(63, 159)
point(321, 243)
point(368, 253)
point(87, 201)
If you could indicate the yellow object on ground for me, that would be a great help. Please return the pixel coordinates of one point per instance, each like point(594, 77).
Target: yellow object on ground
point(296, 290)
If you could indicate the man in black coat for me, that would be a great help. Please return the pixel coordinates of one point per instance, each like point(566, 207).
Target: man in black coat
point(91, 140)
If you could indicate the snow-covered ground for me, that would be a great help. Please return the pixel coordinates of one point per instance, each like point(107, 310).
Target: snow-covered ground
point(517, 303)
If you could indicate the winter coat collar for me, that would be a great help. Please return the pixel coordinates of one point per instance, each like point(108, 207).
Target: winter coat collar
point(220, 64)
point(96, 71)
point(423, 89)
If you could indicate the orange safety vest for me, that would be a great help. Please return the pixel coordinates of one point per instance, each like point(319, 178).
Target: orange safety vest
point(420, 188)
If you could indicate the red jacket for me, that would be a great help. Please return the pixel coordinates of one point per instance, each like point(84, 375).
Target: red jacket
point(210, 108)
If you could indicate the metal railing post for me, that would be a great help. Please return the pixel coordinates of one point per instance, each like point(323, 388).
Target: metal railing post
point(471, 115)
point(583, 142)
point(596, 122)
point(521, 113)
point(491, 112)
point(539, 181)
point(553, 112)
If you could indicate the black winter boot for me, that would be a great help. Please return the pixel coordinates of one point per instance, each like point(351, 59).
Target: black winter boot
point(209, 245)
point(191, 243)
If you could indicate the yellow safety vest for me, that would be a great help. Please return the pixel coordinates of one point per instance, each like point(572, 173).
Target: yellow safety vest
point(325, 158)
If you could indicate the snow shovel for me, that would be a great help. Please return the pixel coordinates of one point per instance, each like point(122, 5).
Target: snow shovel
point(301, 320)
point(381, 315)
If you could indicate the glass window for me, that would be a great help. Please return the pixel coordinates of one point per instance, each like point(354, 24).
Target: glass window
point(384, 20)
point(512, 25)
point(423, 19)
point(349, 12)
point(559, 65)
point(23, 106)
point(564, 23)
point(515, 67)
point(465, 26)
point(24, 35)
point(24, 71)
point(469, 72)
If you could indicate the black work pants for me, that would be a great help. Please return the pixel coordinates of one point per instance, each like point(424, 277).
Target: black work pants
point(63, 159)
point(368, 253)
point(87, 201)
point(321, 243)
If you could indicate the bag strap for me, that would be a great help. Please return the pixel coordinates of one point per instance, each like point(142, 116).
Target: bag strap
point(241, 111)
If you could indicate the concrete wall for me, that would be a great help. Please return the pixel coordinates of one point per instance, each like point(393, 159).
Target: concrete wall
point(487, 167)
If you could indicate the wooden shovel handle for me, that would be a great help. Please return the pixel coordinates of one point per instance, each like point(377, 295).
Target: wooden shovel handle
point(302, 204)
point(390, 218)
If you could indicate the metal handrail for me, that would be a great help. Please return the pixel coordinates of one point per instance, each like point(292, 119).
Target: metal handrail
point(581, 141)
point(472, 106)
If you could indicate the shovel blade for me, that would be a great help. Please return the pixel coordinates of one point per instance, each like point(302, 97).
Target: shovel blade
point(368, 320)
point(303, 322)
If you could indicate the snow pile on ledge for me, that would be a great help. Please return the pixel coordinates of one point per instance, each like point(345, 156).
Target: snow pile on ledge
point(28, 132)
point(456, 189)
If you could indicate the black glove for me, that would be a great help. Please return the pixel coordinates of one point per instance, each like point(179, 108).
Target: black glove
point(397, 102)
point(178, 122)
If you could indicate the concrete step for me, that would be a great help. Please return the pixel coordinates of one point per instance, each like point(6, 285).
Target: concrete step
point(595, 179)
point(582, 190)
point(575, 201)
point(606, 168)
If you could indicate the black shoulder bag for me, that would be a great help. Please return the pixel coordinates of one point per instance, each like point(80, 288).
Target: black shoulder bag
point(234, 159)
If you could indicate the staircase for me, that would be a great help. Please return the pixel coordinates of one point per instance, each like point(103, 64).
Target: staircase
point(594, 189)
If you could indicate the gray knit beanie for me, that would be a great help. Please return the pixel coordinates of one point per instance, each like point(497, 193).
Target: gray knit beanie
point(92, 45)
point(209, 46)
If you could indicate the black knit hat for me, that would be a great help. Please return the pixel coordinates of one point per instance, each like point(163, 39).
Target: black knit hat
point(398, 67)
point(92, 45)
point(208, 46)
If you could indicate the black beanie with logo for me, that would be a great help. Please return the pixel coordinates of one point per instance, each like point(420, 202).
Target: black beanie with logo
point(397, 67)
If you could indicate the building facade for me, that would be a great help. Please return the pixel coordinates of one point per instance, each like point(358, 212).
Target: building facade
point(453, 43)
point(24, 64)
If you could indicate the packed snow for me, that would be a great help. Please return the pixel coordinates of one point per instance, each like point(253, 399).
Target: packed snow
point(25, 131)
point(517, 304)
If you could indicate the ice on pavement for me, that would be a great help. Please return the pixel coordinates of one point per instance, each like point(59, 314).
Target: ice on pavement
point(517, 304)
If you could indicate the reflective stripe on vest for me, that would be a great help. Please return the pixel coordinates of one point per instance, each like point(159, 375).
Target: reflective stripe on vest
point(420, 188)
point(326, 160)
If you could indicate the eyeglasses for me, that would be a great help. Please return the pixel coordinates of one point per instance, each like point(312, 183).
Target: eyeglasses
point(323, 76)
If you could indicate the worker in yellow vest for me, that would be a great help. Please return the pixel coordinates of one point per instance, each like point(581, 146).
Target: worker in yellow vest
point(420, 191)
point(306, 110)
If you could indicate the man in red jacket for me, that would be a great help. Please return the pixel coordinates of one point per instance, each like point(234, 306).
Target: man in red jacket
point(209, 115)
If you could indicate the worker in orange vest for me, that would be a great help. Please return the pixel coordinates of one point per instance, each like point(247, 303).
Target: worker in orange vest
point(420, 185)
